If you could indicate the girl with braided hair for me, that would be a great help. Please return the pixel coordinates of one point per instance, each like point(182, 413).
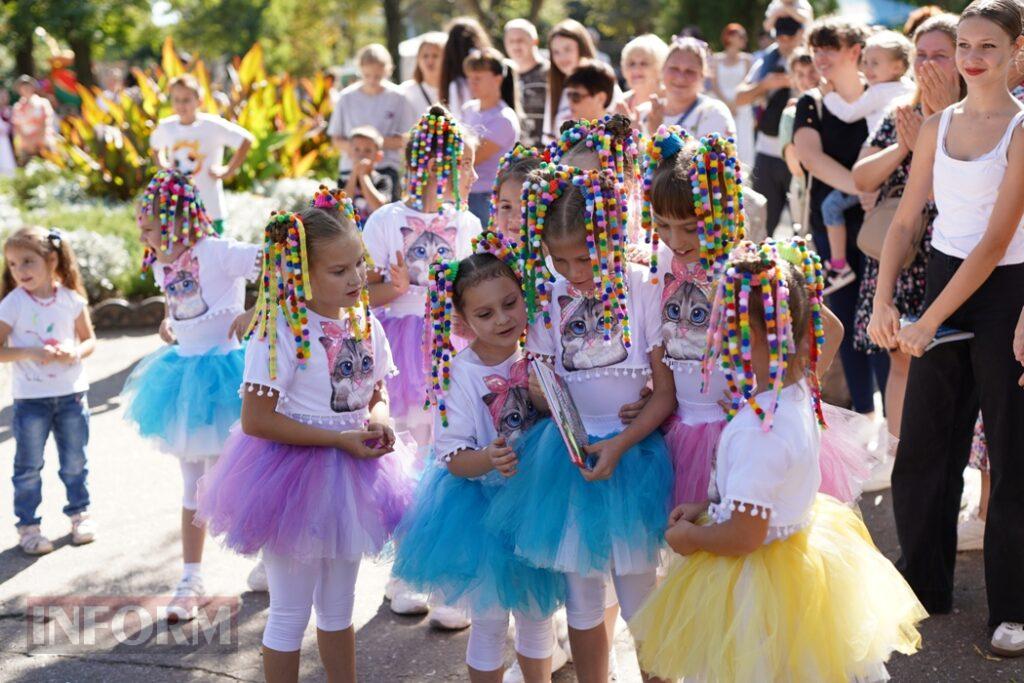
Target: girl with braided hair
point(184, 397)
point(773, 555)
point(315, 478)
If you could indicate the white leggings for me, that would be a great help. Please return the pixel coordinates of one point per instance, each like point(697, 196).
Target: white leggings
point(585, 602)
point(295, 587)
point(190, 475)
point(486, 648)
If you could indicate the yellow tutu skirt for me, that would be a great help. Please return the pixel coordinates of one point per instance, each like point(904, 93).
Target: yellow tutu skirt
point(822, 605)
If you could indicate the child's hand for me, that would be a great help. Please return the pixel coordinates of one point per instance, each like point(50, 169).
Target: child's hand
point(678, 537)
point(221, 171)
point(688, 512)
point(44, 354)
point(629, 411)
point(638, 253)
point(399, 274)
point(67, 355)
point(537, 397)
point(725, 403)
point(364, 443)
point(388, 434)
point(502, 457)
point(607, 454)
point(363, 167)
point(240, 324)
point(165, 331)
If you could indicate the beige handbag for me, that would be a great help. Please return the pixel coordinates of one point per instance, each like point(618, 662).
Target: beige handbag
point(876, 224)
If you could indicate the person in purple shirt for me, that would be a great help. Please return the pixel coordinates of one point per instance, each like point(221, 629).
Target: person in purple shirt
point(493, 116)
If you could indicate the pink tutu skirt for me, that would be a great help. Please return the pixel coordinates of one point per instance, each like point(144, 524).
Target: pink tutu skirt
point(845, 460)
point(692, 449)
point(305, 502)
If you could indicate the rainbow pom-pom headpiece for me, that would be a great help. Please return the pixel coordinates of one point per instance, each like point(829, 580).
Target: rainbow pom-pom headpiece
point(436, 138)
point(717, 187)
point(440, 310)
point(617, 153)
point(605, 217)
point(170, 195)
point(763, 274)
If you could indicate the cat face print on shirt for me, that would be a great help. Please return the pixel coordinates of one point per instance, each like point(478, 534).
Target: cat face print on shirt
point(509, 402)
point(184, 295)
point(685, 315)
point(425, 243)
point(351, 366)
point(582, 328)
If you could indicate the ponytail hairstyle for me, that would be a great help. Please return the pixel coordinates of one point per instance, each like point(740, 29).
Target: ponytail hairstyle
point(448, 283)
point(290, 240)
point(44, 243)
point(515, 164)
point(777, 288)
point(171, 197)
point(564, 202)
point(613, 140)
point(437, 138)
point(685, 176)
point(489, 59)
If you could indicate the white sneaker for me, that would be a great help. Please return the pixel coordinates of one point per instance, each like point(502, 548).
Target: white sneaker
point(970, 533)
point(837, 279)
point(187, 596)
point(514, 673)
point(404, 600)
point(881, 477)
point(257, 580)
point(32, 541)
point(447, 618)
point(1008, 640)
point(83, 529)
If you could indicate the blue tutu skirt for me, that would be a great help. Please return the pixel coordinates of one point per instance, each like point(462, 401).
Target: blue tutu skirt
point(444, 549)
point(556, 519)
point(186, 404)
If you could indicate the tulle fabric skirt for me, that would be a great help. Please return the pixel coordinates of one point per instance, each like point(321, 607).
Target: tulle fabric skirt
point(444, 549)
point(186, 404)
point(555, 519)
point(692, 447)
point(305, 502)
point(844, 458)
point(821, 605)
point(407, 391)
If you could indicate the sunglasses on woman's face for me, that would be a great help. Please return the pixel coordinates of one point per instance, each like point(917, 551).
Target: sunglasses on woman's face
point(576, 96)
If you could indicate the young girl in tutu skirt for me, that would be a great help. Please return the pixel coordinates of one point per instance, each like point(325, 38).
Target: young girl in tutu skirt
point(184, 397)
point(780, 582)
point(482, 408)
point(315, 478)
point(693, 213)
point(600, 329)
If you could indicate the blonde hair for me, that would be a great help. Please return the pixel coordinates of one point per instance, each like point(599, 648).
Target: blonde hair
point(895, 44)
point(187, 81)
point(691, 46)
point(375, 53)
point(649, 43)
point(43, 242)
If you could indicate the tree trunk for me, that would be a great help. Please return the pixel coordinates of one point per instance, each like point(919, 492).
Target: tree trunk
point(82, 47)
point(393, 27)
point(24, 63)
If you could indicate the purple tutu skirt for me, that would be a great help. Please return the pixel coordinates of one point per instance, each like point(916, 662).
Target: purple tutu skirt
point(845, 459)
point(407, 391)
point(305, 502)
point(692, 449)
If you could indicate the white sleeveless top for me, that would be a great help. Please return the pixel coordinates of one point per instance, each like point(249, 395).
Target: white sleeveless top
point(965, 194)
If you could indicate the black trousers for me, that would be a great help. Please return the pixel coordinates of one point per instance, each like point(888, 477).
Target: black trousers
point(944, 391)
point(771, 178)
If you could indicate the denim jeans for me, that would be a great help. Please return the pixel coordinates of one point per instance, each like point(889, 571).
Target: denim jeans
point(835, 205)
point(34, 418)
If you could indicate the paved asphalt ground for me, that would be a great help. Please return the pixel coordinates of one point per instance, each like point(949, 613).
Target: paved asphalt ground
point(136, 499)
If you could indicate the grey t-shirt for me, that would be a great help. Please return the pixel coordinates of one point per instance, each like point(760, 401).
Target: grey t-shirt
point(533, 91)
point(388, 111)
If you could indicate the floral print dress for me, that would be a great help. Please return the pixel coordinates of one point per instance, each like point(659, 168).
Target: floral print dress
point(910, 284)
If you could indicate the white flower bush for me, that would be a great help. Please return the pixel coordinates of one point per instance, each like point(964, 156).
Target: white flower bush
point(101, 260)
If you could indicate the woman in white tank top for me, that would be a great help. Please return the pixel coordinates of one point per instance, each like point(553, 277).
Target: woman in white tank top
point(971, 158)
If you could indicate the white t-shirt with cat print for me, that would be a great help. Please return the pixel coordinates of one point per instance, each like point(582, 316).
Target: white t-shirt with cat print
point(340, 375)
point(35, 324)
point(423, 238)
point(205, 290)
point(602, 375)
point(483, 402)
point(687, 294)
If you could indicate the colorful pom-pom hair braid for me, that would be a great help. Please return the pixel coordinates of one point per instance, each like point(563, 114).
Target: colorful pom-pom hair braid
point(436, 138)
point(490, 242)
point(284, 287)
point(170, 195)
point(518, 153)
point(616, 144)
point(605, 218)
point(717, 186)
point(762, 268)
point(328, 199)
